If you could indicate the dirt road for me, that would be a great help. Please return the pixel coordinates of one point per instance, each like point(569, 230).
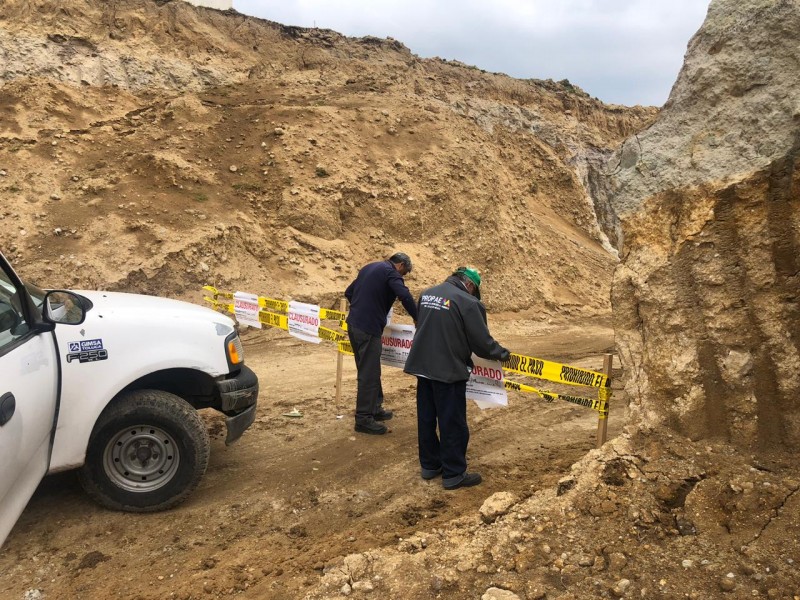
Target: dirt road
point(295, 494)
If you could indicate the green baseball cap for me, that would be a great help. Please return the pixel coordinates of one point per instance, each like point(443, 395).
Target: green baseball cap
point(472, 275)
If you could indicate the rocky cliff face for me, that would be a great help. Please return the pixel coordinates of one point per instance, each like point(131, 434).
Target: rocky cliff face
point(708, 201)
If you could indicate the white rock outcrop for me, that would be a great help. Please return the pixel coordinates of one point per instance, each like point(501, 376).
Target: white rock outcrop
point(708, 202)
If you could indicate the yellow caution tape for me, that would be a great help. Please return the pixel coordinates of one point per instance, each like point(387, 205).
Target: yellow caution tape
point(518, 363)
point(217, 304)
point(331, 335)
point(267, 318)
point(519, 387)
point(599, 405)
point(277, 305)
point(594, 404)
point(334, 315)
point(218, 294)
point(274, 320)
point(271, 303)
point(556, 372)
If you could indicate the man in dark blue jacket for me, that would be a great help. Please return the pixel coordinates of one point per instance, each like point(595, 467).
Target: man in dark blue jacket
point(371, 297)
point(451, 327)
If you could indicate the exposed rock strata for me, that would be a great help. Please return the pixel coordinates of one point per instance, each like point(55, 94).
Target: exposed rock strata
point(708, 198)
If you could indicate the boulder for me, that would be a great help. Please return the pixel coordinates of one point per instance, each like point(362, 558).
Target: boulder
point(707, 207)
point(497, 505)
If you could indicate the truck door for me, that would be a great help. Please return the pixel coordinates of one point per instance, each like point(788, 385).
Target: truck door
point(28, 400)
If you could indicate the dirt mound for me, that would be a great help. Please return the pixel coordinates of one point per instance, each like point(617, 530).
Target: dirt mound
point(648, 516)
point(209, 147)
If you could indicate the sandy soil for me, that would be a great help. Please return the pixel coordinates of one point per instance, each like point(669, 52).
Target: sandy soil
point(295, 494)
point(153, 147)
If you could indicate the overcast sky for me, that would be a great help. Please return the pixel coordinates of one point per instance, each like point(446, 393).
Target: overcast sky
point(621, 51)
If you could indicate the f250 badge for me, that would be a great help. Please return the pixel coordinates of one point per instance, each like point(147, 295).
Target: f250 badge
point(87, 351)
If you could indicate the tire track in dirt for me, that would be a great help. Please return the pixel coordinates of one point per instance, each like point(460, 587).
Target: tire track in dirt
point(293, 495)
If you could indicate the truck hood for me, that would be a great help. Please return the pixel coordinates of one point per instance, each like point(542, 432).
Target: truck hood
point(153, 307)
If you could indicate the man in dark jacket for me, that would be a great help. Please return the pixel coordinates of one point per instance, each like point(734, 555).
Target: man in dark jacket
point(450, 327)
point(371, 297)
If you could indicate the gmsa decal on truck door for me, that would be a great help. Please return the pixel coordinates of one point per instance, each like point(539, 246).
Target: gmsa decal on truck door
point(87, 351)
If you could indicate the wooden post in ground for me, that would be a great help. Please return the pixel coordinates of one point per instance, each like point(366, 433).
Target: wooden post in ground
point(602, 422)
point(339, 358)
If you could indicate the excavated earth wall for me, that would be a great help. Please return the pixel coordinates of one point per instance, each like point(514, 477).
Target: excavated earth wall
point(708, 198)
point(219, 148)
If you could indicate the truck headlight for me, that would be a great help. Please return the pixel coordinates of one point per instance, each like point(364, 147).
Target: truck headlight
point(234, 349)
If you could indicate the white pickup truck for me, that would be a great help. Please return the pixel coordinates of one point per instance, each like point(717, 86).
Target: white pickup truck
point(110, 383)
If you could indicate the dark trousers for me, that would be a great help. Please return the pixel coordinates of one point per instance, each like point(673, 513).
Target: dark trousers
point(445, 403)
point(367, 349)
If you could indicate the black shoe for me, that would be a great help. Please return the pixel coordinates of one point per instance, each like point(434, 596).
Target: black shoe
point(371, 427)
point(383, 415)
point(428, 474)
point(469, 480)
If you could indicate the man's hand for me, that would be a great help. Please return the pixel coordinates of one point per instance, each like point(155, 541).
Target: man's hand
point(505, 355)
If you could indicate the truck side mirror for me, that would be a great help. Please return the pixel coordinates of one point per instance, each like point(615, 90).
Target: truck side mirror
point(63, 307)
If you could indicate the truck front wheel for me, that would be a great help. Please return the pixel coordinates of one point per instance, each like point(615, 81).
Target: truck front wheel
point(147, 452)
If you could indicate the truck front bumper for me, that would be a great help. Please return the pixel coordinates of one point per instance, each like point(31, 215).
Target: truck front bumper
point(238, 396)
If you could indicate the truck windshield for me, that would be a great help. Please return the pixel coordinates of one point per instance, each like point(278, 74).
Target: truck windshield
point(36, 293)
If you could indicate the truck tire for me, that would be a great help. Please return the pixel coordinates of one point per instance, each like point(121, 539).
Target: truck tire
point(148, 452)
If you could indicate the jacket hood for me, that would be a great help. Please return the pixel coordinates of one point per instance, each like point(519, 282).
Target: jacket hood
point(460, 285)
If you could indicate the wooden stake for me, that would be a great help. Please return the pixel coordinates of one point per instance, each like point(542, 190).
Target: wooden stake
point(602, 422)
point(339, 358)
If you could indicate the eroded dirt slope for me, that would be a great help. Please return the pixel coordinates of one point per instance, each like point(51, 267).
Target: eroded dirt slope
point(156, 147)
